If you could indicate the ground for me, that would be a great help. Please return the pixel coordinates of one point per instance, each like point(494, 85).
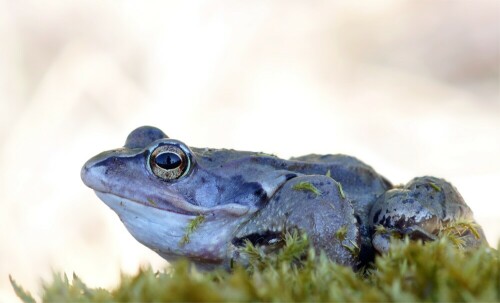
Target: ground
point(411, 271)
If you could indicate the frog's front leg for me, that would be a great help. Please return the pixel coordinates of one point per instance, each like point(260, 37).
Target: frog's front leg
point(315, 205)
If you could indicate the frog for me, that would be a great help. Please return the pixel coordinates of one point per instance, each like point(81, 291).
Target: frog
point(206, 204)
point(421, 210)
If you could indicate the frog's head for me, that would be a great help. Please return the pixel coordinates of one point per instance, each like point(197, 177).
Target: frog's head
point(181, 201)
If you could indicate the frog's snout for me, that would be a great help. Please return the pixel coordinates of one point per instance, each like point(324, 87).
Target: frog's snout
point(143, 136)
point(95, 171)
point(83, 173)
point(89, 173)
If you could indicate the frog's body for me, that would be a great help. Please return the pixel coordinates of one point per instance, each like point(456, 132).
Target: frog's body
point(204, 203)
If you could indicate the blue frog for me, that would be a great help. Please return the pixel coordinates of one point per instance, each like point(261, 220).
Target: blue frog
point(204, 204)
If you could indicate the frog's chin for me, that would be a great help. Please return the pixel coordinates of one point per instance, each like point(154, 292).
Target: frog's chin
point(130, 210)
point(164, 231)
point(183, 208)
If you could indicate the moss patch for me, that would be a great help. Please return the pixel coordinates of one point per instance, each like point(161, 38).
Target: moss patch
point(434, 186)
point(341, 233)
point(307, 186)
point(191, 228)
point(411, 271)
point(341, 191)
point(150, 201)
point(454, 232)
point(353, 248)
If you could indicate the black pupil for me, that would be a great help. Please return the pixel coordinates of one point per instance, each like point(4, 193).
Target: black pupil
point(168, 160)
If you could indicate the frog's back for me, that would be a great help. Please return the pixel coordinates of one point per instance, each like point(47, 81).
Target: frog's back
point(355, 176)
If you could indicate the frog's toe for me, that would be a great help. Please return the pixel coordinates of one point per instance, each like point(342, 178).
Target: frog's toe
point(418, 233)
point(381, 243)
point(382, 237)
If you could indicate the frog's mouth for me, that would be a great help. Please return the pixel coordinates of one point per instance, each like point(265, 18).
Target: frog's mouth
point(178, 206)
point(168, 233)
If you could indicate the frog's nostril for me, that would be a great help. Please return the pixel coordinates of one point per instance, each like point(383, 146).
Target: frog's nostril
point(143, 136)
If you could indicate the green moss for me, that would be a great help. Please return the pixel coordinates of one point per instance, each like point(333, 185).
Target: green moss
point(262, 154)
point(455, 231)
point(393, 233)
point(341, 233)
point(380, 229)
point(191, 227)
point(352, 247)
point(433, 185)
point(341, 190)
point(25, 296)
point(306, 186)
point(150, 201)
point(411, 271)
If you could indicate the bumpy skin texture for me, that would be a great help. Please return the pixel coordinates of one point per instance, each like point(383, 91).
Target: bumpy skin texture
point(307, 211)
point(420, 210)
point(204, 204)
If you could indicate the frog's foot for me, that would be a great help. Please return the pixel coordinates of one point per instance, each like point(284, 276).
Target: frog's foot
point(381, 242)
point(265, 243)
point(419, 233)
point(382, 236)
point(315, 205)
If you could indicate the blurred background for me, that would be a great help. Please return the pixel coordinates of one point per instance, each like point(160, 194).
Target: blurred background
point(411, 88)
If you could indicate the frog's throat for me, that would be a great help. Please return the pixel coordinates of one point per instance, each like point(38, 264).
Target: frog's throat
point(179, 206)
point(164, 231)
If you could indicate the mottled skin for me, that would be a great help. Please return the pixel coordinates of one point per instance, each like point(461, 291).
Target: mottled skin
point(160, 186)
point(290, 209)
point(420, 210)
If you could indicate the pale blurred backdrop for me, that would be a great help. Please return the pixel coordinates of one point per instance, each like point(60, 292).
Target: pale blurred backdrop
point(410, 87)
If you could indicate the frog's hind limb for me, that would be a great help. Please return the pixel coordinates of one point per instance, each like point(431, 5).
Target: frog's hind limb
point(426, 208)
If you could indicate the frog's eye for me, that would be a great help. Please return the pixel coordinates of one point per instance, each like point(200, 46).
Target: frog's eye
point(169, 162)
